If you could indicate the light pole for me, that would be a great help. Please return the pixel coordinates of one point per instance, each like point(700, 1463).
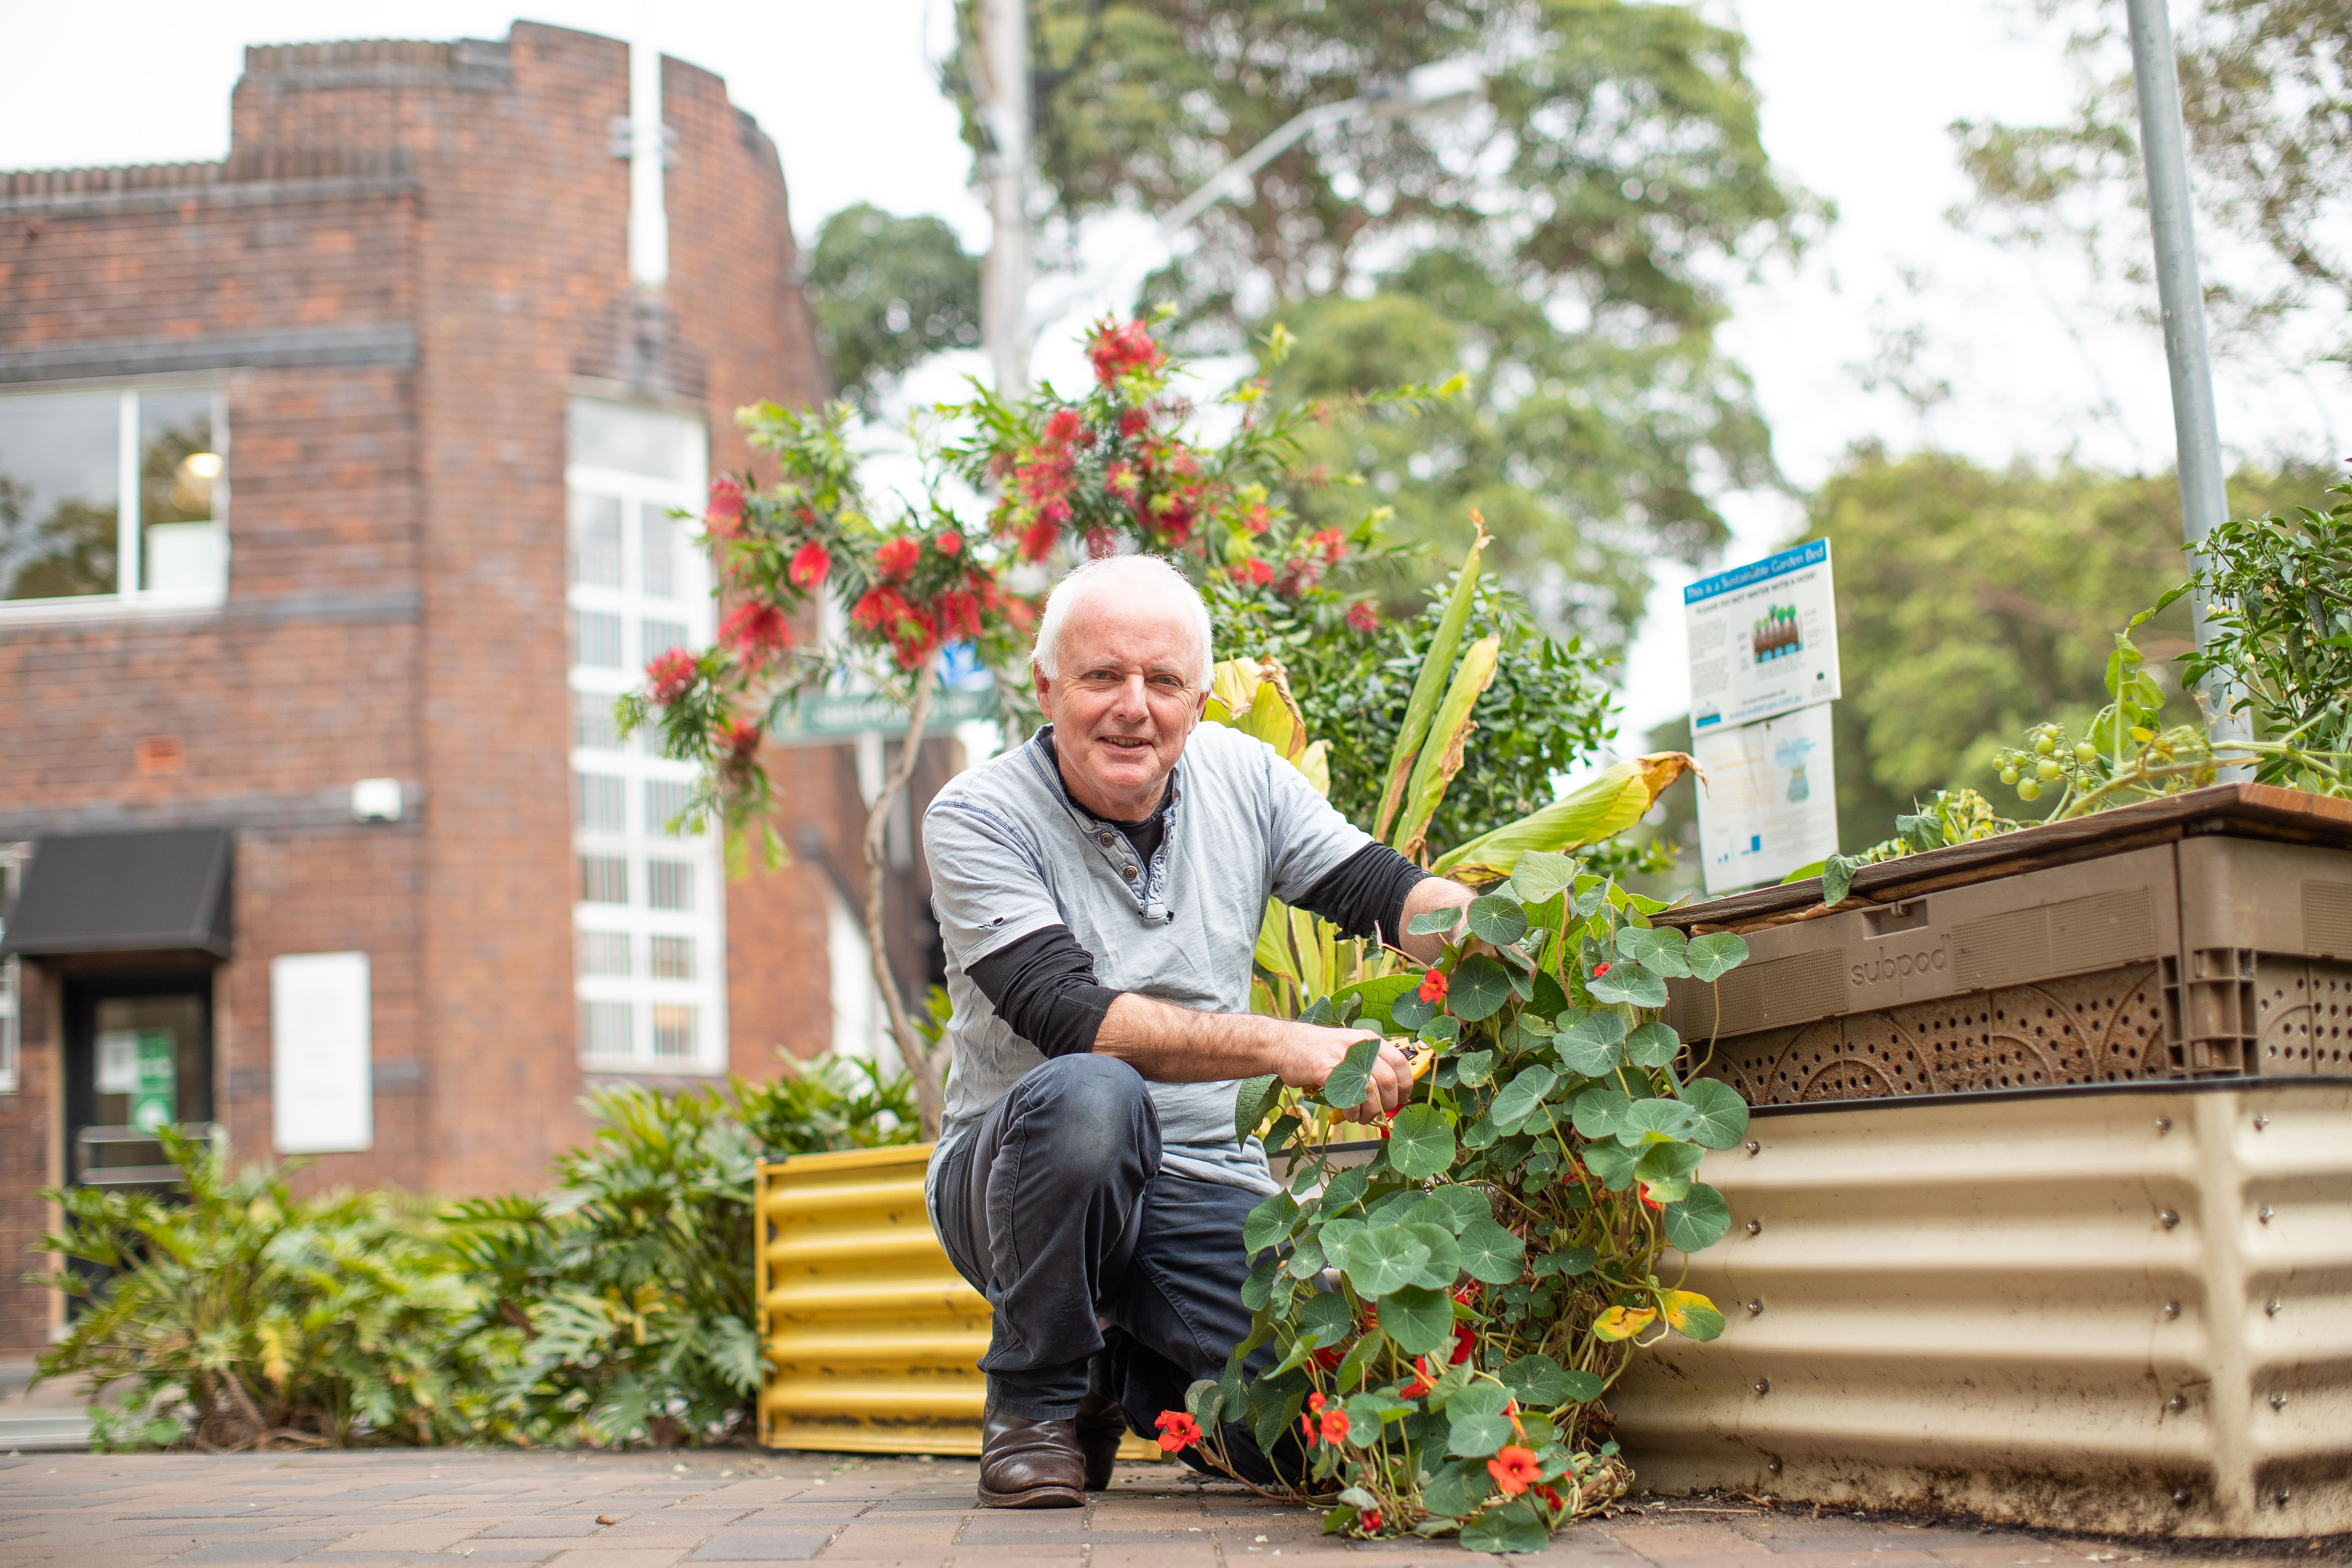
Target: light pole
point(1005, 287)
point(2197, 433)
point(1443, 88)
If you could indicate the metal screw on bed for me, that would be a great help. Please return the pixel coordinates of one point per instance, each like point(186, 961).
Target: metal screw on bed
point(1755, 1227)
point(2169, 1217)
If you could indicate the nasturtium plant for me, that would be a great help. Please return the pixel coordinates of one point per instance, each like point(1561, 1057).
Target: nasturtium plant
point(1444, 1316)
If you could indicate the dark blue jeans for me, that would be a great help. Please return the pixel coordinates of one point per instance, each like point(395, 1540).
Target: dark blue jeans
point(1105, 1272)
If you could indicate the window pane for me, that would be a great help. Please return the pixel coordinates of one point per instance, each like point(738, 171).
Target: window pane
point(604, 952)
point(592, 540)
point(665, 799)
point(604, 1029)
point(58, 493)
point(600, 803)
point(669, 884)
point(663, 635)
point(633, 441)
point(673, 958)
point(593, 723)
point(660, 533)
point(673, 1029)
point(596, 640)
point(604, 879)
point(183, 548)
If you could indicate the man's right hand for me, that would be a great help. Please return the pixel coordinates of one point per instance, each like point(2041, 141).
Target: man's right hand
point(1313, 1051)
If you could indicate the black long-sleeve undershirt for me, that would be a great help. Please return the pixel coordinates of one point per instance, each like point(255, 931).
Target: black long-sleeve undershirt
point(1043, 984)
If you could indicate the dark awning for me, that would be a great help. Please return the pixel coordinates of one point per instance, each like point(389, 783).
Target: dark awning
point(124, 892)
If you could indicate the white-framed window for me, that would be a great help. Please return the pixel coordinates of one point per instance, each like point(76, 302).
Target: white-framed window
point(12, 872)
point(649, 910)
point(114, 498)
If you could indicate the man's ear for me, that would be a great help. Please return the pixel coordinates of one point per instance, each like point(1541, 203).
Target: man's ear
point(1043, 684)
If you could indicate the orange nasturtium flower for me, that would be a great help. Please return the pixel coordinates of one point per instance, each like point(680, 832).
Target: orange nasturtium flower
point(1515, 1469)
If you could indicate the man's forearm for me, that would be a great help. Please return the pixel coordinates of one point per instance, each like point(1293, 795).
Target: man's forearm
point(1169, 1044)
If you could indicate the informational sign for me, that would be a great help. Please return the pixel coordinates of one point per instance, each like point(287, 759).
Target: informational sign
point(321, 1078)
point(1769, 804)
point(1763, 639)
point(140, 1063)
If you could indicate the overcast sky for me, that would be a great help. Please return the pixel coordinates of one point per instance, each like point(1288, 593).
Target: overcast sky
point(1857, 96)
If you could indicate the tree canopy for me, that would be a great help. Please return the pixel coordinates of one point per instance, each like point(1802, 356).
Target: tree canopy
point(887, 292)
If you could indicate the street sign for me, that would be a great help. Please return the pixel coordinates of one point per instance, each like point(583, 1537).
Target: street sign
point(1770, 801)
point(829, 720)
point(1763, 639)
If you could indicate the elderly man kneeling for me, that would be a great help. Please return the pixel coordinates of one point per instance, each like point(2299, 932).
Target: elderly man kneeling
point(1100, 891)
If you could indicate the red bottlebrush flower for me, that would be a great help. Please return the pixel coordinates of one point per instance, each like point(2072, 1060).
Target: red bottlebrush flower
point(950, 545)
point(1038, 541)
point(740, 740)
point(1599, 970)
point(1298, 576)
point(1335, 1426)
point(878, 608)
point(1331, 542)
point(1063, 425)
point(1252, 573)
point(1465, 1340)
point(959, 613)
point(1178, 1431)
point(1362, 617)
point(810, 564)
point(756, 631)
point(670, 674)
point(726, 501)
point(897, 558)
point(1433, 986)
point(1101, 545)
point(1133, 422)
point(1515, 1469)
point(1258, 519)
point(1118, 350)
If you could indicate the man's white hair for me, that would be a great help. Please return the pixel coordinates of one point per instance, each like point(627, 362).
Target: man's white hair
point(1127, 576)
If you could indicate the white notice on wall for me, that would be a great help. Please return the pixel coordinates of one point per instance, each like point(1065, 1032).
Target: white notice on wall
point(322, 1089)
point(1769, 804)
point(1763, 639)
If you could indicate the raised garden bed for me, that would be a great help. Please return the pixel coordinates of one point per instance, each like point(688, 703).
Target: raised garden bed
point(2046, 1211)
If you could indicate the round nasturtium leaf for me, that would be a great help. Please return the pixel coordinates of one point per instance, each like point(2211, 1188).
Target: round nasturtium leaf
point(1718, 1116)
point(1474, 1434)
point(1522, 1097)
point(1652, 1045)
point(1445, 1263)
point(1697, 1221)
point(1473, 1067)
point(1480, 987)
point(1381, 1259)
point(1659, 950)
point(1600, 1112)
point(1587, 1043)
point(1410, 1012)
point(1628, 983)
point(1466, 1203)
point(1692, 1315)
point(1711, 957)
point(1350, 1081)
point(1420, 1143)
point(1419, 1320)
point(1649, 1120)
point(1513, 1526)
point(1496, 918)
point(1539, 1382)
point(1490, 1253)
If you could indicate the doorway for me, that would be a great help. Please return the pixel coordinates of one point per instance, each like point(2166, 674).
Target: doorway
point(139, 1057)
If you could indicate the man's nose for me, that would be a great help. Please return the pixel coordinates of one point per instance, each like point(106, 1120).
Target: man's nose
point(1133, 703)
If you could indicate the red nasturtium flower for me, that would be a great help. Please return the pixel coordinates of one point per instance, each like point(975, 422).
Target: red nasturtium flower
point(756, 631)
point(1119, 350)
point(1599, 970)
point(810, 564)
point(1178, 1431)
point(1515, 1469)
point(1433, 986)
point(1465, 1340)
point(670, 674)
point(1335, 1426)
point(1362, 617)
point(1422, 1380)
point(897, 558)
point(1648, 1199)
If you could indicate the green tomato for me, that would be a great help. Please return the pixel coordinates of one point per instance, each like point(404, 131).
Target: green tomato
point(2047, 768)
point(2086, 753)
point(2028, 790)
point(2043, 745)
point(2009, 776)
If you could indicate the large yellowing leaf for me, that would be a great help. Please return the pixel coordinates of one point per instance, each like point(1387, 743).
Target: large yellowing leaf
point(1623, 1322)
point(1603, 808)
point(1430, 684)
point(1233, 686)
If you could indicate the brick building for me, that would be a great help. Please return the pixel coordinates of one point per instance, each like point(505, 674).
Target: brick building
point(334, 482)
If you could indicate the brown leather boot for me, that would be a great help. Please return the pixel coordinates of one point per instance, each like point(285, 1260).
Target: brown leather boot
point(1100, 1425)
point(1030, 1464)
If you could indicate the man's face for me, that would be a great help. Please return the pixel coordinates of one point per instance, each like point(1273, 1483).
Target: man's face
point(1126, 701)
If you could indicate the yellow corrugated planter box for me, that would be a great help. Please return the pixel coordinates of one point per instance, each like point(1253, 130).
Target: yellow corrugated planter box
point(872, 1336)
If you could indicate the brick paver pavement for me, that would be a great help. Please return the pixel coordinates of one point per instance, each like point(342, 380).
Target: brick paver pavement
point(370, 1510)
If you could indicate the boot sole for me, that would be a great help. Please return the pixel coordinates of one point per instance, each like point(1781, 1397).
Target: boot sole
point(1034, 1497)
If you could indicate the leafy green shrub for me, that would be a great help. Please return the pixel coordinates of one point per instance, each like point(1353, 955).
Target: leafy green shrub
point(240, 1317)
point(1503, 1253)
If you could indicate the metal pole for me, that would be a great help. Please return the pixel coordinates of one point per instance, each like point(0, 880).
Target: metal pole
point(2204, 501)
point(1004, 51)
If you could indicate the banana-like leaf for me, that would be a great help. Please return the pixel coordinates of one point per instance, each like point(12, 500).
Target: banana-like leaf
point(1607, 804)
point(1430, 683)
point(1233, 686)
point(1440, 759)
point(1273, 953)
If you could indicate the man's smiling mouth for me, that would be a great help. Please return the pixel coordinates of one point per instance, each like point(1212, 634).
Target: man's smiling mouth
point(1127, 743)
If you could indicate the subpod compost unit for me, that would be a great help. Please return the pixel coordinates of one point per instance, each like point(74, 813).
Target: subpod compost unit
point(2045, 1211)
